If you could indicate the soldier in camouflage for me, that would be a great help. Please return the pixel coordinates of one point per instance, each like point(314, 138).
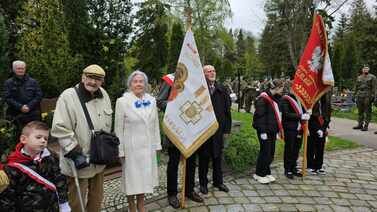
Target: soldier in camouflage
point(365, 93)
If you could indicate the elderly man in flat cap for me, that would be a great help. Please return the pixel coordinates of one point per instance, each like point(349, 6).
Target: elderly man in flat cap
point(71, 128)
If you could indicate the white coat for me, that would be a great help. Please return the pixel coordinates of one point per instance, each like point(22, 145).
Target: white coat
point(139, 134)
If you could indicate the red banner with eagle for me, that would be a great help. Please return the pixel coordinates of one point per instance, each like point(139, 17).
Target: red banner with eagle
point(314, 75)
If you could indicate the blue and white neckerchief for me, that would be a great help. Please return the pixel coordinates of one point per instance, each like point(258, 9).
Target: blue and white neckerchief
point(142, 103)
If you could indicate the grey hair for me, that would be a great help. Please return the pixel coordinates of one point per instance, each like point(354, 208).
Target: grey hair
point(16, 63)
point(133, 74)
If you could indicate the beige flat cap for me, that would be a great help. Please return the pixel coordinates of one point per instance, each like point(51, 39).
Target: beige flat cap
point(95, 70)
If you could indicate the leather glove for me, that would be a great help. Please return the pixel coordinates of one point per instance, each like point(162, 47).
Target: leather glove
point(78, 158)
point(305, 116)
point(320, 133)
point(263, 136)
point(4, 180)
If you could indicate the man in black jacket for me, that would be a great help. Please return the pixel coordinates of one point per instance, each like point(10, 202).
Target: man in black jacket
point(213, 147)
point(23, 95)
point(175, 154)
point(318, 124)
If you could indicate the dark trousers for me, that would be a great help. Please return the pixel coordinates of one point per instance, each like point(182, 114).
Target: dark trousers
point(364, 107)
point(266, 155)
point(316, 148)
point(205, 154)
point(172, 172)
point(292, 145)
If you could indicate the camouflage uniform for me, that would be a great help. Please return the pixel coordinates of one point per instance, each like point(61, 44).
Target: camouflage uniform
point(250, 94)
point(365, 92)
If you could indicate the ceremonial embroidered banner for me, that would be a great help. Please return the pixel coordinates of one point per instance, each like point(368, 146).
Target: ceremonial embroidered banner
point(314, 75)
point(189, 118)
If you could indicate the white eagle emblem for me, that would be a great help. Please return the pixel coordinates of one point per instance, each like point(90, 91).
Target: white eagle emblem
point(315, 63)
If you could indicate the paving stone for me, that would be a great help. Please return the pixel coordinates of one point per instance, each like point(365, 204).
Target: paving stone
point(272, 199)
point(323, 208)
point(252, 207)
point(342, 202)
point(250, 193)
point(256, 200)
point(220, 194)
point(225, 200)
point(287, 207)
point(305, 207)
point(365, 197)
point(312, 193)
point(152, 206)
point(235, 193)
point(361, 209)
point(289, 200)
point(241, 200)
point(328, 194)
point(347, 196)
point(373, 204)
point(235, 208)
point(264, 193)
point(323, 188)
point(338, 208)
point(199, 209)
point(296, 193)
point(289, 186)
point(217, 208)
point(270, 207)
point(322, 200)
point(305, 200)
point(211, 201)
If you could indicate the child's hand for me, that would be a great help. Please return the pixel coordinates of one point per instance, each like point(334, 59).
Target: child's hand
point(4, 181)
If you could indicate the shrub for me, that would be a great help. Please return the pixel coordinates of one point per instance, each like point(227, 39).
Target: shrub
point(243, 147)
point(7, 138)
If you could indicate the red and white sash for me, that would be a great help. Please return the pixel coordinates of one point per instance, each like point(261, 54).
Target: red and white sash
point(34, 175)
point(169, 79)
point(275, 108)
point(296, 105)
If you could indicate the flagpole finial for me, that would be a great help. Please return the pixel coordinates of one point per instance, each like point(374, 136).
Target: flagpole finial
point(188, 11)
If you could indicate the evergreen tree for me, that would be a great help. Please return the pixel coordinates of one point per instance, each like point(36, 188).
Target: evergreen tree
point(4, 68)
point(151, 46)
point(43, 45)
point(176, 40)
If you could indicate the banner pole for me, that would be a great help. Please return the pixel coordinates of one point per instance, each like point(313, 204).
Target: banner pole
point(183, 177)
point(305, 140)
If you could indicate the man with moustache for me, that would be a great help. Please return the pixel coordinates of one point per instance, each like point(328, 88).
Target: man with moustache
point(71, 129)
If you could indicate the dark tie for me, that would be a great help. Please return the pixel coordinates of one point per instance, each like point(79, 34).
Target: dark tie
point(211, 89)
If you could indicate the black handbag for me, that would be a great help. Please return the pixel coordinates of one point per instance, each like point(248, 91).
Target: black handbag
point(104, 146)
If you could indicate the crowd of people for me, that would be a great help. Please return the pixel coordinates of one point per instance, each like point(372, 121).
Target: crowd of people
point(36, 179)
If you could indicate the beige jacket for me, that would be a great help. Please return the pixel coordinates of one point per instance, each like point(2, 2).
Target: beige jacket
point(71, 128)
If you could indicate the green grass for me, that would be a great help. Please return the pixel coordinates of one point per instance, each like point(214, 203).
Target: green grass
point(244, 146)
point(352, 114)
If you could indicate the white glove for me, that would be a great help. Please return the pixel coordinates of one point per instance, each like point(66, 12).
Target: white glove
point(263, 136)
point(320, 133)
point(233, 97)
point(305, 116)
point(64, 207)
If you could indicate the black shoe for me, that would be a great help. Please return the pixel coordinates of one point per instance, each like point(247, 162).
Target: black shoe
point(375, 132)
point(195, 197)
point(173, 201)
point(223, 188)
point(289, 175)
point(297, 174)
point(365, 128)
point(358, 127)
point(203, 189)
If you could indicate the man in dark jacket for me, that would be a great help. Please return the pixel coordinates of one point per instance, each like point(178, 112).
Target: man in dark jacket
point(23, 95)
point(175, 154)
point(318, 125)
point(213, 147)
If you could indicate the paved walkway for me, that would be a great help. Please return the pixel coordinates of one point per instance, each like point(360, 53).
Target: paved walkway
point(343, 128)
point(349, 185)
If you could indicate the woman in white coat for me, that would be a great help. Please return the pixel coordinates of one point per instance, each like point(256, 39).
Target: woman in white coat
point(137, 126)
